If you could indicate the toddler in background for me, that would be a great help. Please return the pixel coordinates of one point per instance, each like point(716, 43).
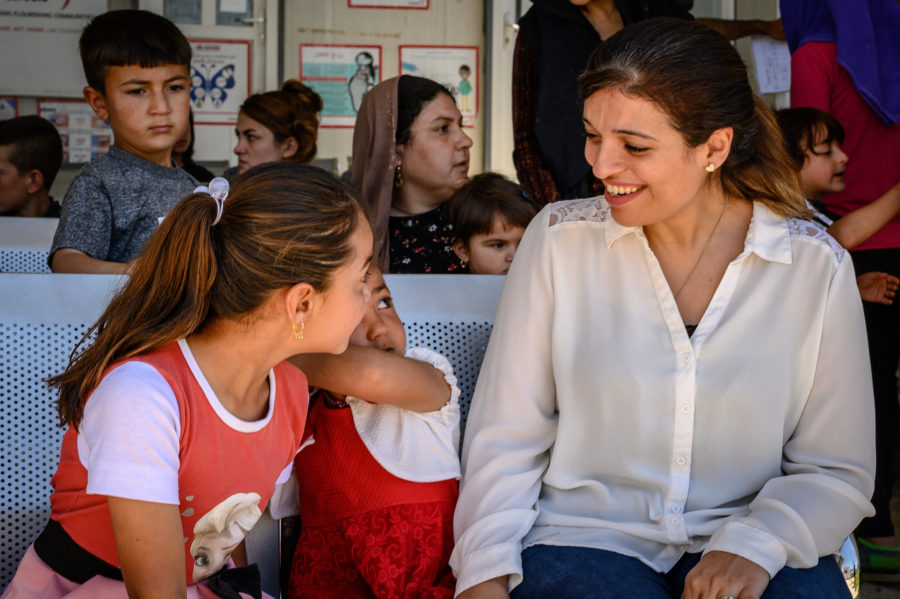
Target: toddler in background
point(30, 156)
point(489, 216)
point(136, 65)
point(813, 139)
point(377, 484)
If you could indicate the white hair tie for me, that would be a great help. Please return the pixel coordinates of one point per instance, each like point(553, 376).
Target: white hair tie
point(218, 190)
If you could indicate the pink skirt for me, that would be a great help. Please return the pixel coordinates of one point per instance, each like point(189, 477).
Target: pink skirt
point(36, 580)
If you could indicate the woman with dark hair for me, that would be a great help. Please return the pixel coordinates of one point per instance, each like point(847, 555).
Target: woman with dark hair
point(278, 125)
point(410, 154)
point(675, 401)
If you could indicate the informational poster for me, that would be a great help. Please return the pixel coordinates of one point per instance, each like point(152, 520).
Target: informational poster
point(220, 80)
point(772, 60)
point(418, 4)
point(84, 135)
point(39, 46)
point(9, 108)
point(341, 75)
point(455, 67)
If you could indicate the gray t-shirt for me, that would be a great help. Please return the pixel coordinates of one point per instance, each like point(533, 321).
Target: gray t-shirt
point(115, 203)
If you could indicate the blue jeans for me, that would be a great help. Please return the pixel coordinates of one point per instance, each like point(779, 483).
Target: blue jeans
point(582, 573)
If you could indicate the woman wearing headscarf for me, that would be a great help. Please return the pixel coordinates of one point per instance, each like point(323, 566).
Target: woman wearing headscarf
point(844, 61)
point(410, 154)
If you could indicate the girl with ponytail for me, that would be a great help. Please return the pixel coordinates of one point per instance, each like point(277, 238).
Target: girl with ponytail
point(278, 125)
point(182, 414)
point(671, 362)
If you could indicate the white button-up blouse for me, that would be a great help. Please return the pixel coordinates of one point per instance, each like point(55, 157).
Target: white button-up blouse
point(597, 422)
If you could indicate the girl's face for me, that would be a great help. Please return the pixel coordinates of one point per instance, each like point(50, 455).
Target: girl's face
point(435, 160)
point(649, 173)
point(343, 304)
point(491, 253)
point(380, 326)
point(256, 144)
point(823, 169)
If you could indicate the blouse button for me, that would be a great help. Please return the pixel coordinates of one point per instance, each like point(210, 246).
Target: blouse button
point(676, 508)
point(685, 409)
point(686, 358)
point(681, 461)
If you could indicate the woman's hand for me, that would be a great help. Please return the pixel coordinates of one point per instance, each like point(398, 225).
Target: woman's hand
point(720, 574)
point(495, 588)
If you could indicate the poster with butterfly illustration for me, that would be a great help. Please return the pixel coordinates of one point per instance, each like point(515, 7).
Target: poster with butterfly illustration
point(220, 80)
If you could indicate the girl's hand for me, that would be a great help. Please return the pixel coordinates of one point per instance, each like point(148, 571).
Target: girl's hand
point(877, 287)
point(495, 588)
point(150, 544)
point(720, 574)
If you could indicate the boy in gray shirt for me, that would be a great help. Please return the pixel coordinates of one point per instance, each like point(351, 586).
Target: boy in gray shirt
point(136, 64)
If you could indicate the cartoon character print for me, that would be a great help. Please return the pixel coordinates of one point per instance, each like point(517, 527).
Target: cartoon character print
point(218, 533)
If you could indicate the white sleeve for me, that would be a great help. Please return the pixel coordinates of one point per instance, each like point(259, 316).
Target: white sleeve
point(512, 423)
point(129, 437)
point(829, 459)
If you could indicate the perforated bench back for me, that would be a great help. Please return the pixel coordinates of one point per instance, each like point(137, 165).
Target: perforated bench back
point(25, 242)
point(43, 316)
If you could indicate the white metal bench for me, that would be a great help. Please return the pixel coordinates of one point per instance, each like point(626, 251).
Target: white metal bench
point(25, 243)
point(43, 316)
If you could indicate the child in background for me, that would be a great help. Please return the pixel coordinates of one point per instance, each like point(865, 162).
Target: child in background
point(182, 412)
point(378, 484)
point(489, 216)
point(813, 139)
point(136, 65)
point(30, 156)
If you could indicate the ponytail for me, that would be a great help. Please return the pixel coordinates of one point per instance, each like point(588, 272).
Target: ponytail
point(283, 223)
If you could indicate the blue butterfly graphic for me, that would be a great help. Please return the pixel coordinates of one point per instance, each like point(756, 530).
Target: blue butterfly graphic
point(206, 86)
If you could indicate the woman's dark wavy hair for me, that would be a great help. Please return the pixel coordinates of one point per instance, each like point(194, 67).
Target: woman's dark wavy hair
point(291, 111)
point(699, 81)
point(283, 223)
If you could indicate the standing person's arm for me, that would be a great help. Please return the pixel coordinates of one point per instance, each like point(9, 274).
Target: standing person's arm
point(530, 169)
point(511, 427)
point(858, 225)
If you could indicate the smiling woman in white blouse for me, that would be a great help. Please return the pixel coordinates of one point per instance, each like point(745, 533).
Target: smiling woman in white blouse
point(676, 398)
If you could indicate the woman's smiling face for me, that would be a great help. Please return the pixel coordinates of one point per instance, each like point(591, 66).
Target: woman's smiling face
point(649, 173)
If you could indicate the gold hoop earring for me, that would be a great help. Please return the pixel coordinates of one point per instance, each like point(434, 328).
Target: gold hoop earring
point(298, 334)
point(464, 262)
point(710, 167)
point(398, 177)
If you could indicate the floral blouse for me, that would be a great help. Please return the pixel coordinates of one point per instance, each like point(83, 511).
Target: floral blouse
point(422, 243)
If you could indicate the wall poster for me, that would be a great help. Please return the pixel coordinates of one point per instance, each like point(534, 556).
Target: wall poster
point(415, 4)
point(341, 75)
point(39, 46)
point(84, 135)
point(455, 67)
point(9, 108)
point(220, 80)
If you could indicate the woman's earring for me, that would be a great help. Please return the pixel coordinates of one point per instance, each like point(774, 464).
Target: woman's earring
point(710, 167)
point(464, 262)
point(398, 177)
point(298, 333)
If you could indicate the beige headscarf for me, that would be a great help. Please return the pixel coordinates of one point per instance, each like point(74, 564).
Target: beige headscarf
point(375, 158)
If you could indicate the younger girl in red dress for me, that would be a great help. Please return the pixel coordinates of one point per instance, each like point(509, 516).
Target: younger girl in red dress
point(378, 484)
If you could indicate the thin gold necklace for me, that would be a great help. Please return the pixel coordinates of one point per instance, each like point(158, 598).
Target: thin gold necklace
point(703, 251)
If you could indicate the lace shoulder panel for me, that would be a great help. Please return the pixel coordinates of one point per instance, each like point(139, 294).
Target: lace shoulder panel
point(805, 228)
point(587, 209)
